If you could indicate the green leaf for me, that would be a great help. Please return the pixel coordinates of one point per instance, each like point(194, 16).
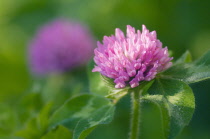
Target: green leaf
point(117, 94)
point(190, 72)
point(108, 82)
point(102, 116)
point(174, 101)
point(180, 72)
point(29, 105)
point(152, 124)
point(59, 132)
point(30, 131)
point(43, 117)
point(36, 126)
point(77, 108)
point(83, 113)
point(8, 120)
point(96, 83)
point(204, 60)
point(185, 58)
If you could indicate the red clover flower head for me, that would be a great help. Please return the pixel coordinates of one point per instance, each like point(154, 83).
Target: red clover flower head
point(60, 46)
point(136, 57)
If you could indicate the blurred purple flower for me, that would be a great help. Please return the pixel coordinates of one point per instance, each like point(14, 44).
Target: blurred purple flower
point(131, 59)
point(60, 46)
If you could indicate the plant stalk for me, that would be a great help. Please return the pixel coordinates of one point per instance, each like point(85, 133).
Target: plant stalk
point(135, 114)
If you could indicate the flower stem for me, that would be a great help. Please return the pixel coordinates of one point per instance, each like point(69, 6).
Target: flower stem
point(135, 114)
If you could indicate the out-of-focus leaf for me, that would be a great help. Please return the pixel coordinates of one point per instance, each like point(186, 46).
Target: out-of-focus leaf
point(43, 118)
point(185, 58)
point(83, 113)
point(204, 60)
point(76, 109)
point(29, 105)
point(96, 83)
point(175, 102)
point(102, 116)
point(31, 101)
point(51, 87)
point(36, 126)
point(58, 88)
point(8, 120)
point(59, 132)
point(190, 72)
point(30, 131)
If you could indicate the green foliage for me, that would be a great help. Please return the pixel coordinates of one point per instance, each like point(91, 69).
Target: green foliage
point(7, 115)
point(190, 72)
point(117, 94)
point(175, 102)
point(76, 108)
point(36, 126)
point(28, 107)
point(59, 132)
point(83, 113)
point(185, 58)
point(170, 99)
point(104, 115)
point(96, 83)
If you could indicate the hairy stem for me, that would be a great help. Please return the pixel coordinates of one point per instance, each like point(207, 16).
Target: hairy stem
point(135, 114)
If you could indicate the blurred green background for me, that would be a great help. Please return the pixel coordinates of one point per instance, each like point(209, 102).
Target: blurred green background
point(180, 25)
